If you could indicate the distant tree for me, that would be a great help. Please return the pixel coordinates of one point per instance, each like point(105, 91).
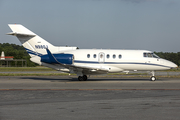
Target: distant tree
point(174, 57)
point(17, 51)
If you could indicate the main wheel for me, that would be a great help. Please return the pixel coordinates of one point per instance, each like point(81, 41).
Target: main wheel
point(153, 78)
point(80, 78)
point(85, 77)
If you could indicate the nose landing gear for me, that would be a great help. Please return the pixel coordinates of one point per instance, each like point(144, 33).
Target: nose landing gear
point(153, 78)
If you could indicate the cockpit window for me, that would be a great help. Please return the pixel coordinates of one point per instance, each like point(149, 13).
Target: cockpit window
point(150, 55)
point(155, 56)
point(145, 55)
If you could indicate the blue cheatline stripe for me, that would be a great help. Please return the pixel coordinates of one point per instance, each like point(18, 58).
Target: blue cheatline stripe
point(91, 62)
point(94, 62)
point(32, 52)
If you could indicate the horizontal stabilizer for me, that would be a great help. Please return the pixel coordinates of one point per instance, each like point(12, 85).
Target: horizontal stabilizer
point(17, 28)
point(21, 34)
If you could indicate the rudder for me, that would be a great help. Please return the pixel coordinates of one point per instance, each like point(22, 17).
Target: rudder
point(34, 45)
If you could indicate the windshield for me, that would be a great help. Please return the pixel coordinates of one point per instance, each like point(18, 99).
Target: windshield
point(150, 55)
point(155, 56)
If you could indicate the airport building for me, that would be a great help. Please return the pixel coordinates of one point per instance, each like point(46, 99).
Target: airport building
point(9, 61)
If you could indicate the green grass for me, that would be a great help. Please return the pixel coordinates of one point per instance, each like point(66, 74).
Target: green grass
point(45, 69)
point(25, 69)
point(34, 74)
point(122, 73)
point(173, 70)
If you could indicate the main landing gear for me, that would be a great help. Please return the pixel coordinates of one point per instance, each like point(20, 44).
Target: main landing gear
point(82, 78)
point(153, 78)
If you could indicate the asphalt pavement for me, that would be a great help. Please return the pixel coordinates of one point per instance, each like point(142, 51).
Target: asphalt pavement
point(66, 98)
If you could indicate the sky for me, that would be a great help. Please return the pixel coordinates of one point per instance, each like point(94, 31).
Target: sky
point(103, 24)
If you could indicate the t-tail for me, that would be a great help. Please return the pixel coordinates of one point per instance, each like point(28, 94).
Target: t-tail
point(34, 45)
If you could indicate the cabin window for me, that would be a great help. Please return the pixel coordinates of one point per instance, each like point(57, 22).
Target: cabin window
point(88, 55)
point(114, 56)
point(120, 56)
point(108, 56)
point(94, 55)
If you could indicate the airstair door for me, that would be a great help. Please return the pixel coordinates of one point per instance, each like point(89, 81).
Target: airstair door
point(101, 57)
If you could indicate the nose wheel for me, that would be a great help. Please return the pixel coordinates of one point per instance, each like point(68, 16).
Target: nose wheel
point(153, 78)
point(82, 78)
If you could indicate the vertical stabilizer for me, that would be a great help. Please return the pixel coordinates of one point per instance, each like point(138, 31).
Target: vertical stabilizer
point(34, 45)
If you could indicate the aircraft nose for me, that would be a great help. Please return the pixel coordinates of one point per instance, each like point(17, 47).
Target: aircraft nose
point(169, 64)
point(172, 65)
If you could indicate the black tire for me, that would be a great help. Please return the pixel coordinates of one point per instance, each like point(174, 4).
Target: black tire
point(85, 77)
point(80, 78)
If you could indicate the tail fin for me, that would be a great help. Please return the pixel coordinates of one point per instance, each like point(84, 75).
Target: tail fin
point(34, 45)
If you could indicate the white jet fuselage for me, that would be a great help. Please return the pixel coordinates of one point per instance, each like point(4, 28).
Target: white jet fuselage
point(85, 62)
point(119, 60)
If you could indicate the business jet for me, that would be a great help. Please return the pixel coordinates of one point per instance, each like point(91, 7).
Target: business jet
point(84, 62)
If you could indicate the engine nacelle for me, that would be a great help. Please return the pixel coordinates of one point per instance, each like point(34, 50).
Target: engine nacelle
point(61, 58)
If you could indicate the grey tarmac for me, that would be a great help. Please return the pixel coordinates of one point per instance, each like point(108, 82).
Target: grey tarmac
point(61, 97)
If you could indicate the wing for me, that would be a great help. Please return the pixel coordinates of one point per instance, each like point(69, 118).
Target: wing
point(88, 70)
point(77, 69)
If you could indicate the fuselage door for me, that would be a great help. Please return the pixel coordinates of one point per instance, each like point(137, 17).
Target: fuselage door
point(101, 57)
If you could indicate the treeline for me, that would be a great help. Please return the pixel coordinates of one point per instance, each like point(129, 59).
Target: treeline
point(174, 57)
point(18, 52)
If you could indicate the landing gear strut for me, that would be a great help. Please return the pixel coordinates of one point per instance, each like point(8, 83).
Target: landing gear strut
point(82, 78)
point(153, 78)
